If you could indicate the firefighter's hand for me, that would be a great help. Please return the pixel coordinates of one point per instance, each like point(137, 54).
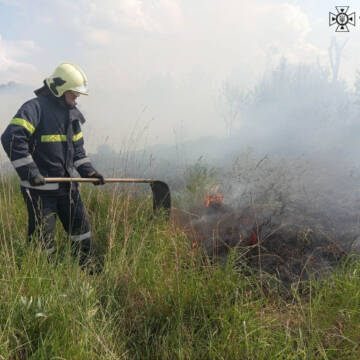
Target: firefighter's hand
point(97, 175)
point(37, 180)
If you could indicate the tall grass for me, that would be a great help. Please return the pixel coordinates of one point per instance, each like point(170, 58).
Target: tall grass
point(156, 298)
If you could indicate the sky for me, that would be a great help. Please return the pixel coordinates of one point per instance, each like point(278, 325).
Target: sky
point(156, 67)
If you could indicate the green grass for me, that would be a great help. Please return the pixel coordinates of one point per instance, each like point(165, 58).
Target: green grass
point(156, 299)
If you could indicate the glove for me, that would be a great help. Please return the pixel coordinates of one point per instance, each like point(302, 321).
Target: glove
point(37, 180)
point(96, 175)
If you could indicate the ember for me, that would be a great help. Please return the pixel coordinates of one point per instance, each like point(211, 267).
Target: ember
point(214, 200)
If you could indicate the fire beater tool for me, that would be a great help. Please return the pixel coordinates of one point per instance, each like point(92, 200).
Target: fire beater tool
point(160, 190)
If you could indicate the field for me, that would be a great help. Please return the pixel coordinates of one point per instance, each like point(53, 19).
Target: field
point(157, 297)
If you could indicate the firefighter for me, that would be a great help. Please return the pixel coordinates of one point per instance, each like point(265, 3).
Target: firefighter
point(44, 139)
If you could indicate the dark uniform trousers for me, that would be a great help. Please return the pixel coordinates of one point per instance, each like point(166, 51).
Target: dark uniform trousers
point(44, 206)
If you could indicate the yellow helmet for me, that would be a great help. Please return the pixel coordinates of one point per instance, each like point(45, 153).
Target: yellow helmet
point(67, 76)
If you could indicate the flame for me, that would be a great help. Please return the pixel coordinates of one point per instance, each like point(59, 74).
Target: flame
point(217, 198)
point(254, 238)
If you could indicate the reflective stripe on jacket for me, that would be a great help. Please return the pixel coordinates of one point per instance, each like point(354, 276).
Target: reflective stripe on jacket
point(45, 137)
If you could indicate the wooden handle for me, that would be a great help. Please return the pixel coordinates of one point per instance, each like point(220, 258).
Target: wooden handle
point(160, 190)
point(108, 180)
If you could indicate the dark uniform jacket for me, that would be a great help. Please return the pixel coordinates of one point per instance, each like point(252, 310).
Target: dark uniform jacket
point(45, 137)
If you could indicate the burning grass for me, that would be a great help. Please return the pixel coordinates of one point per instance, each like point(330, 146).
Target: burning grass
point(290, 252)
point(291, 219)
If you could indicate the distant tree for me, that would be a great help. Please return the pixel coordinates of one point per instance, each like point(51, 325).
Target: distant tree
point(357, 88)
point(231, 101)
point(298, 104)
point(335, 52)
point(8, 85)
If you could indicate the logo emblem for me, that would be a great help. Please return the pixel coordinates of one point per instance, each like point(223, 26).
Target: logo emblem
point(342, 18)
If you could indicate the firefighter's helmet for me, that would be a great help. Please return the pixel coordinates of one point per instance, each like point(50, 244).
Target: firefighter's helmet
point(67, 76)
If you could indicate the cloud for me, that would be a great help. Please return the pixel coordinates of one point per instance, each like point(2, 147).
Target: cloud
point(112, 16)
point(177, 36)
point(168, 55)
point(109, 14)
point(172, 56)
point(98, 37)
point(291, 34)
point(11, 67)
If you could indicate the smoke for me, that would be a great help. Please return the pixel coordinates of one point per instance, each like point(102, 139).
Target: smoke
point(169, 57)
point(290, 217)
point(294, 196)
point(12, 68)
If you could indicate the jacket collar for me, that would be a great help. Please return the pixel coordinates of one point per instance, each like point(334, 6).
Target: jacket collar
point(74, 112)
